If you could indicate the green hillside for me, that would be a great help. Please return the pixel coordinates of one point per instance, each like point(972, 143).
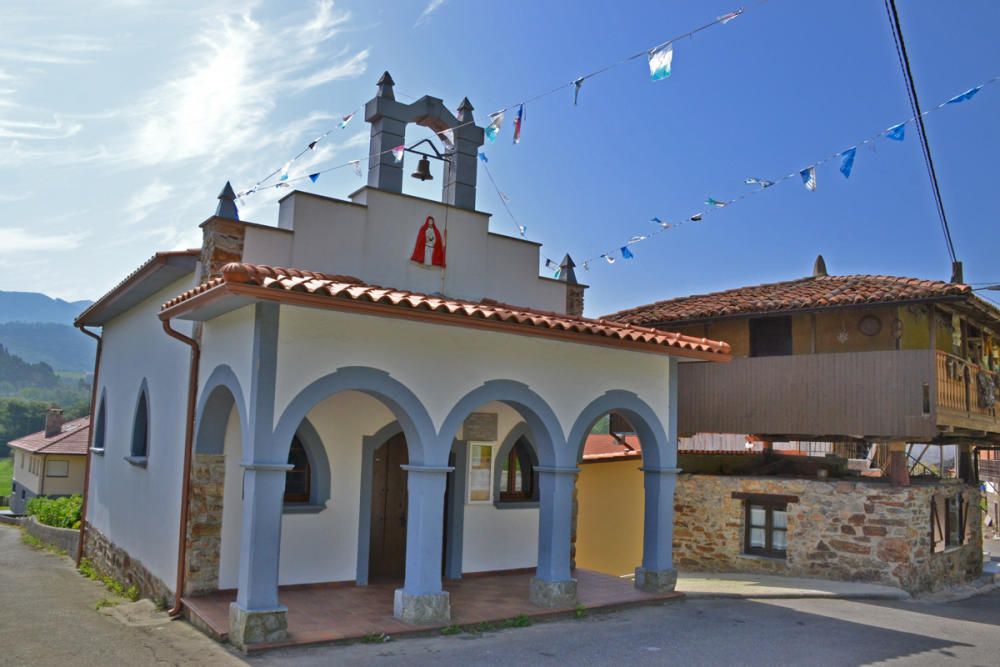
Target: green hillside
point(59, 345)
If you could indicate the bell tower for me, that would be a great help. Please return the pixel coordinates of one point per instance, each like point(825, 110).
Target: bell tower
point(388, 119)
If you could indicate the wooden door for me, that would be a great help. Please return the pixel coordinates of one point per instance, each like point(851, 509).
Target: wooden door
point(387, 550)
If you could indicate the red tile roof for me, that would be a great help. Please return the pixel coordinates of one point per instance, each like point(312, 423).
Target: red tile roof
point(319, 289)
point(805, 293)
point(74, 438)
point(601, 446)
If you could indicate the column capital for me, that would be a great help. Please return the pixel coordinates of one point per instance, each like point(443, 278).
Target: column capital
point(427, 469)
point(267, 467)
point(661, 471)
point(558, 470)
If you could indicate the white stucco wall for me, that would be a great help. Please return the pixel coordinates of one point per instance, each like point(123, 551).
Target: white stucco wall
point(228, 340)
point(139, 508)
point(372, 237)
point(441, 364)
point(499, 539)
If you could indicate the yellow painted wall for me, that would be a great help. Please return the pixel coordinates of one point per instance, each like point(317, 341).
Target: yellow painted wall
point(830, 324)
point(610, 517)
point(916, 327)
point(65, 486)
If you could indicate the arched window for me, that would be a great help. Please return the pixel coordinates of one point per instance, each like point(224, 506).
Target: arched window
point(517, 474)
point(140, 428)
point(298, 480)
point(101, 426)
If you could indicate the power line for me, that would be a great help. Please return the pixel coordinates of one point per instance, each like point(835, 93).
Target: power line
point(911, 90)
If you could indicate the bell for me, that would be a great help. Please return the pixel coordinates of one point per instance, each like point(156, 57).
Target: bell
point(423, 171)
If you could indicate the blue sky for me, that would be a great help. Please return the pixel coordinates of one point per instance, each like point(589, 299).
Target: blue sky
point(120, 121)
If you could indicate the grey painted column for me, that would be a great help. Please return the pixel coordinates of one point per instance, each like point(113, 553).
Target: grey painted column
point(422, 600)
point(257, 616)
point(458, 186)
point(553, 585)
point(388, 120)
point(657, 574)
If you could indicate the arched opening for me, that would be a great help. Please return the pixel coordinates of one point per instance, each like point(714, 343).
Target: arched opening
point(101, 425)
point(625, 486)
point(139, 448)
point(298, 480)
point(501, 433)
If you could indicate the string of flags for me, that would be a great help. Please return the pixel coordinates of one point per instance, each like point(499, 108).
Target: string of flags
point(807, 175)
point(660, 58)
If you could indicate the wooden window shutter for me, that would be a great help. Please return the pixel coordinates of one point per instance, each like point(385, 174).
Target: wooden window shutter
point(937, 530)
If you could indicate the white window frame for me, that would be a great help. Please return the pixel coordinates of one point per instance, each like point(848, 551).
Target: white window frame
point(488, 500)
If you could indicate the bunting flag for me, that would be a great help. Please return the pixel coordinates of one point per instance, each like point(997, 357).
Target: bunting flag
point(314, 177)
point(637, 238)
point(504, 196)
point(967, 95)
point(896, 132)
point(809, 178)
point(397, 152)
point(609, 258)
point(517, 124)
point(482, 157)
point(716, 203)
point(346, 119)
point(356, 165)
point(549, 264)
point(696, 217)
point(726, 18)
point(762, 182)
point(312, 144)
point(660, 60)
point(626, 253)
point(284, 170)
point(577, 84)
point(493, 129)
point(847, 161)
point(586, 265)
point(522, 230)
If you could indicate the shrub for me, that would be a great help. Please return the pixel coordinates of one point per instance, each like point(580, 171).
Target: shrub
point(57, 512)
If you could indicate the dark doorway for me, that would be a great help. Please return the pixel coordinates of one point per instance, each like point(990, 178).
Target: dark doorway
point(387, 549)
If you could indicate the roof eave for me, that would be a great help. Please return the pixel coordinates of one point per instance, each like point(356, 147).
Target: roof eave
point(213, 302)
point(128, 293)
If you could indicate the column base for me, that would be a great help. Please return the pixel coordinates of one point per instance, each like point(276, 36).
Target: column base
point(420, 609)
point(655, 581)
point(552, 593)
point(254, 627)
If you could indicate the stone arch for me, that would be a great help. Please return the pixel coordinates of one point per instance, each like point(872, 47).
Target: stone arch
point(406, 407)
point(539, 418)
point(217, 398)
point(657, 450)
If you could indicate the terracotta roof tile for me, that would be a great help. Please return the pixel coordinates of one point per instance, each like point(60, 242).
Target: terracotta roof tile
point(810, 292)
point(348, 288)
point(74, 438)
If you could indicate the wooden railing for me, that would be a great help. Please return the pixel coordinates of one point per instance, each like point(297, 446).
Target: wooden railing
point(965, 387)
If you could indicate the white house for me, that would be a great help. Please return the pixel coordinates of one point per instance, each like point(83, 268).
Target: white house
point(370, 410)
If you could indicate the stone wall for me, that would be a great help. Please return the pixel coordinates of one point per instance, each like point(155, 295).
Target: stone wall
point(204, 533)
point(65, 539)
point(110, 560)
point(847, 530)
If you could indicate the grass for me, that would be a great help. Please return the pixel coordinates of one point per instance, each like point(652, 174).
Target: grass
point(115, 587)
point(6, 477)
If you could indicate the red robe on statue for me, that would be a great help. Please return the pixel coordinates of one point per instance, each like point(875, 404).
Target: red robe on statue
point(429, 235)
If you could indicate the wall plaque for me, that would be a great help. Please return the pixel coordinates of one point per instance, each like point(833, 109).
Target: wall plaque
point(480, 426)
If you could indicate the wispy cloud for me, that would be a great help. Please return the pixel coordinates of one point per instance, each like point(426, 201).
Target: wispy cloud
point(57, 129)
point(17, 239)
point(221, 104)
point(425, 15)
point(146, 200)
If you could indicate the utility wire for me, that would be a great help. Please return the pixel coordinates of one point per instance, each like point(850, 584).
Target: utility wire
point(911, 90)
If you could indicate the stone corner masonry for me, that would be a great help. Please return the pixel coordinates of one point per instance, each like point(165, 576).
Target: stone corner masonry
point(852, 530)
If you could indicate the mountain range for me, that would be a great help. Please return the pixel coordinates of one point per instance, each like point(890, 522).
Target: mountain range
point(37, 327)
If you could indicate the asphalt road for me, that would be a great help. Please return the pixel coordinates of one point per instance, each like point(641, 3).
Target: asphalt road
point(47, 617)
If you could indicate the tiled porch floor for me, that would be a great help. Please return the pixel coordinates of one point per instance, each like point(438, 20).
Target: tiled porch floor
point(338, 612)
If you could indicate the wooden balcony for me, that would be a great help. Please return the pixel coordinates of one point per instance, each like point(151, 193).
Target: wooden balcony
point(911, 395)
point(966, 394)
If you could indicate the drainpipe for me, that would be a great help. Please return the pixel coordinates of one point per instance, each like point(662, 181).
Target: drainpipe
point(90, 443)
point(188, 446)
